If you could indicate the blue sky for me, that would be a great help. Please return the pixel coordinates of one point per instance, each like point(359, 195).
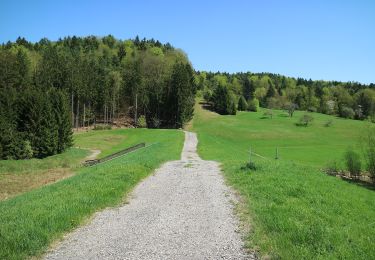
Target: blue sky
point(331, 40)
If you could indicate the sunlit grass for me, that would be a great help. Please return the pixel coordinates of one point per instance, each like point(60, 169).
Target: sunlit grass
point(295, 211)
point(31, 221)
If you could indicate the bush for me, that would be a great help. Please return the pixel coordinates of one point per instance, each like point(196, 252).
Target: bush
point(242, 104)
point(328, 123)
point(268, 113)
point(312, 109)
point(332, 168)
point(353, 163)
point(102, 127)
point(207, 95)
point(26, 150)
point(305, 120)
point(253, 105)
point(347, 112)
point(249, 166)
point(368, 143)
point(142, 122)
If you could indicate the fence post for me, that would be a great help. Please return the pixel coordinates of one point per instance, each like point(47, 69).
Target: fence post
point(277, 153)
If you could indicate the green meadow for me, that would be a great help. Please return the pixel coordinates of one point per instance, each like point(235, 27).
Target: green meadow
point(293, 209)
point(314, 145)
point(31, 221)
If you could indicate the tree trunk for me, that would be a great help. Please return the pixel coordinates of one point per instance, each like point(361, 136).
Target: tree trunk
point(136, 109)
point(72, 109)
point(113, 110)
point(104, 114)
point(84, 114)
point(77, 113)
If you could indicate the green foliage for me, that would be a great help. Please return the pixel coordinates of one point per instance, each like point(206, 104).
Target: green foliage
point(26, 150)
point(34, 123)
point(253, 105)
point(142, 122)
point(102, 127)
point(180, 98)
point(353, 162)
point(347, 112)
point(223, 101)
point(268, 113)
point(248, 89)
point(368, 143)
point(279, 92)
point(242, 104)
point(328, 123)
point(305, 120)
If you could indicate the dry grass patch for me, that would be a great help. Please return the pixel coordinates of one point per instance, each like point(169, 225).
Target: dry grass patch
point(14, 184)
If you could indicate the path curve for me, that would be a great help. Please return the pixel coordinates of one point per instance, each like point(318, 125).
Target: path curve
point(182, 211)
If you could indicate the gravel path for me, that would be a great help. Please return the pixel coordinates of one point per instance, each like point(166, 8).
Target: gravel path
point(183, 211)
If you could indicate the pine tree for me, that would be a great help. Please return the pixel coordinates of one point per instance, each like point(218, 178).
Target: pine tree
point(179, 105)
point(242, 104)
point(248, 89)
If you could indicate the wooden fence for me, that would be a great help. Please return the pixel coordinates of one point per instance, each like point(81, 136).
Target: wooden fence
point(114, 155)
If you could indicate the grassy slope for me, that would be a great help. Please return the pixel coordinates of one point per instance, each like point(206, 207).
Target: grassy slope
point(314, 145)
point(18, 176)
point(31, 221)
point(69, 159)
point(296, 211)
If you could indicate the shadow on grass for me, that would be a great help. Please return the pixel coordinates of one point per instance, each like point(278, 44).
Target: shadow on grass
point(363, 184)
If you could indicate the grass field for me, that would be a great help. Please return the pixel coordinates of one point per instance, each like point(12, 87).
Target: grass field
point(296, 211)
point(31, 221)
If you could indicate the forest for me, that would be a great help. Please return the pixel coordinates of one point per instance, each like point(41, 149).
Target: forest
point(247, 91)
point(46, 87)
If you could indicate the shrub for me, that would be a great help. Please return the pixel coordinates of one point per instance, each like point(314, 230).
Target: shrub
point(253, 105)
point(207, 95)
point(26, 150)
point(368, 143)
point(242, 104)
point(347, 112)
point(332, 168)
point(102, 127)
point(142, 122)
point(353, 163)
point(249, 166)
point(268, 113)
point(305, 120)
point(328, 123)
point(312, 109)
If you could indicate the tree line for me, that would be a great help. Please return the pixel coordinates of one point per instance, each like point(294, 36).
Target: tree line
point(248, 91)
point(80, 81)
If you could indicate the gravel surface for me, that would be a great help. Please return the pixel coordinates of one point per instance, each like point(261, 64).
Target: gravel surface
point(182, 211)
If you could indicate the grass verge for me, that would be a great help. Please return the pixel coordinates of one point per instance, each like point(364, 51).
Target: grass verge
point(31, 221)
point(295, 211)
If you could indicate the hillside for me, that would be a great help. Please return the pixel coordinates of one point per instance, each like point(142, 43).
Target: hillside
point(293, 209)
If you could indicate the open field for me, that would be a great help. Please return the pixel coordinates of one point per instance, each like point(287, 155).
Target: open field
point(315, 145)
point(295, 211)
point(31, 221)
